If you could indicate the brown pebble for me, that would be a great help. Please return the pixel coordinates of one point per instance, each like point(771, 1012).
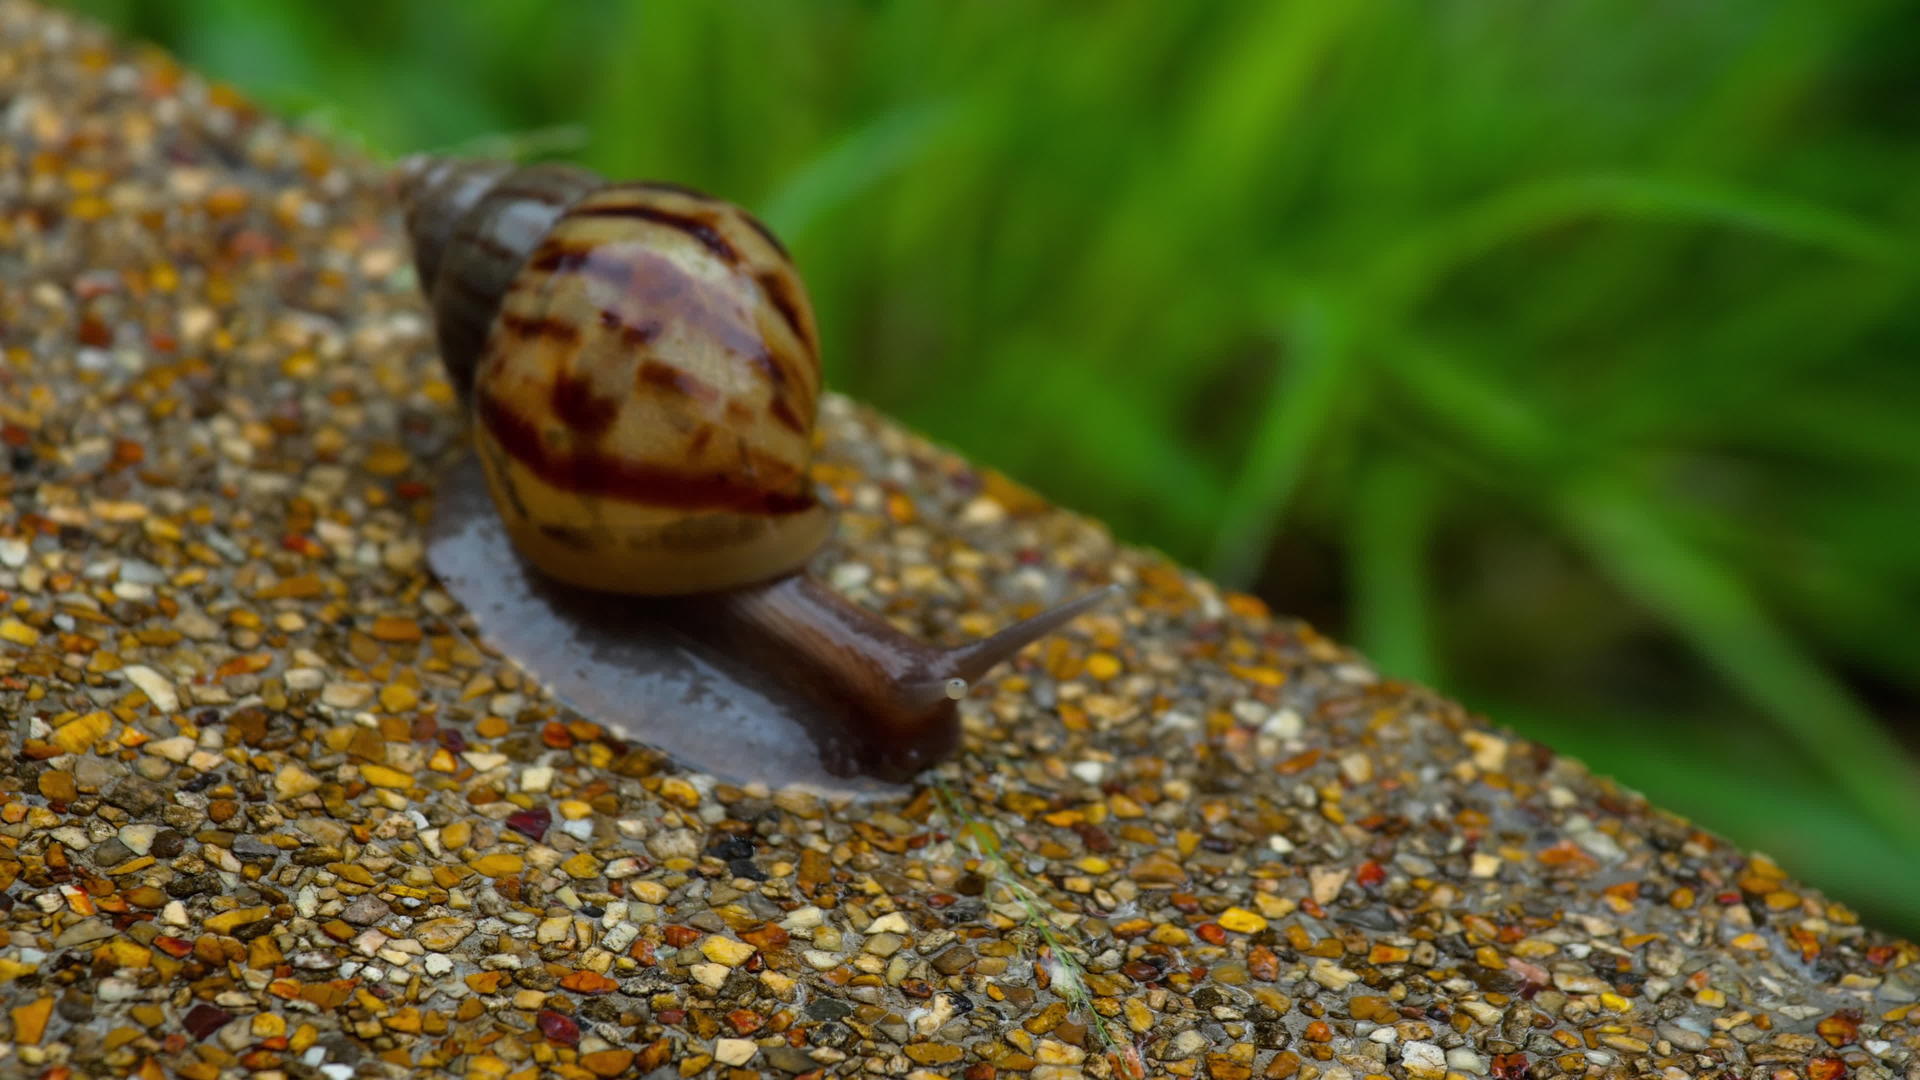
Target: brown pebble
point(58, 786)
point(607, 1063)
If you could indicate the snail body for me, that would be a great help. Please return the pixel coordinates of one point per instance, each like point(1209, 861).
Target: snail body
point(642, 368)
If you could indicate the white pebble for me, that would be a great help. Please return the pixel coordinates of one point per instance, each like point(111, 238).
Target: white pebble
point(154, 685)
point(1461, 1059)
point(849, 575)
point(734, 1051)
point(1090, 772)
point(536, 778)
point(890, 923)
point(710, 976)
point(1175, 720)
point(1423, 1057)
point(177, 749)
point(138, 838)
point(1283, 724)
point(346, 695)
point(803, 918)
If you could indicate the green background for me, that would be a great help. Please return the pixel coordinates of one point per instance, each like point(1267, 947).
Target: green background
point(1562, 355)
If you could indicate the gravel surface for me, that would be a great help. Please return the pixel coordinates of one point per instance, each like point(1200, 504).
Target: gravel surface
point(271, 807)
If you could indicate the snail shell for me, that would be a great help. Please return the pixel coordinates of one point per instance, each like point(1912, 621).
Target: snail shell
point(643, 371)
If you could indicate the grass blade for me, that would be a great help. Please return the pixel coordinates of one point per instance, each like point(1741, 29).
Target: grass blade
point(1406, 273)
point(855, 163)
point(1732, 632)
point(1388, 531)
point(1300, 409)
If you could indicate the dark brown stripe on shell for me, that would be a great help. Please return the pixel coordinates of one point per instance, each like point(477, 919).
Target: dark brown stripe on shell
point(590, 472)
point(557, 258)
point(765, 233)
point(775, 286)
point(789, 375)
point(703, 231)
point(666, 377)
point(783, 388)
point(784, 413)
point(492, 245)
point(775, 373)
point(585, 413)
point(514, 501)
point(654, 283)
point(546, 327)
point(566, 537)
point(632, 335)
point(554, 257)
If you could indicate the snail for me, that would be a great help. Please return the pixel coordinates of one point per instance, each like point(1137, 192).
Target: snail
point(641, 367)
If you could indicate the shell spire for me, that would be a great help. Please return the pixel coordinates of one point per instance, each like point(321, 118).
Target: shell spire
point(473, 225)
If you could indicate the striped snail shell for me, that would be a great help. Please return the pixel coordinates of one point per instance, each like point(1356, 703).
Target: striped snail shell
point(642, 367)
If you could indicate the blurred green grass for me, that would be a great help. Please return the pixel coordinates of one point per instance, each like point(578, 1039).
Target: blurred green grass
point(1562, 355)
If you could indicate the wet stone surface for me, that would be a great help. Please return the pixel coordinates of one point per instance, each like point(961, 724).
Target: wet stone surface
point(268, 808)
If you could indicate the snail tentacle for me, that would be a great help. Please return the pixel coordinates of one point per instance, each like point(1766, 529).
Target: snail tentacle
point(972, 661)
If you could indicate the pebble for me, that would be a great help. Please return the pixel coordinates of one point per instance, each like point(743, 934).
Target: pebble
point(1423, 1059)
point(499, 864)
point(138, 837)
point(292, 781)
point(787, 1059)
point(83, 932)
point(365, 910)
point(151, 683)
point(177, 749)
point(345, 695)
point(725, 951)
point(734, 1051)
